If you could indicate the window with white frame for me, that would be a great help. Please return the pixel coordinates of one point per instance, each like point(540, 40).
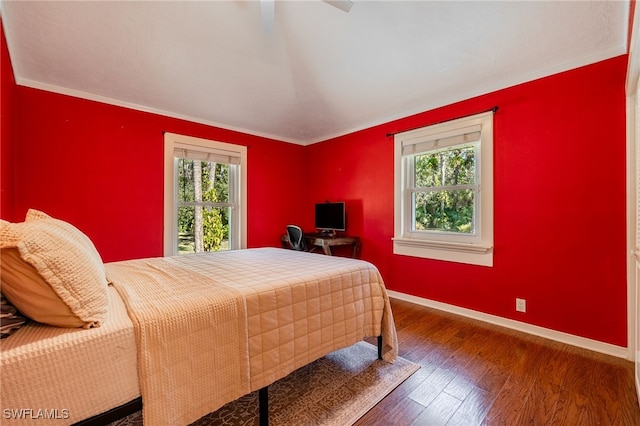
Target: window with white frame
point(205, 195)
point(444, 191)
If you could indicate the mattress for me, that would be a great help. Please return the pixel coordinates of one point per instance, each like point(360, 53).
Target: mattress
point(59, 376)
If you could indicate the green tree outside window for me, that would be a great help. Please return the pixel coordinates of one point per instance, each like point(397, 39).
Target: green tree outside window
point(203, 211)
point(444, 195)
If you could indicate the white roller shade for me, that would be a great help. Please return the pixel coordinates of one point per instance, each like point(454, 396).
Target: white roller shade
point(205, 154)
point(441, 140)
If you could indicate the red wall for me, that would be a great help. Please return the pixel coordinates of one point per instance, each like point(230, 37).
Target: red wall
point(7, 89)
point(559, 204)
point(100, 167)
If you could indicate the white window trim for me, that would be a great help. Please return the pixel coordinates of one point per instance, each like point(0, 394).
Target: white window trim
point(171, 141)
point(475, 250)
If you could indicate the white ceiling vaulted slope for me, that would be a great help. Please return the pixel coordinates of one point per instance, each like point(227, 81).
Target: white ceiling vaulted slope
point(317, 72)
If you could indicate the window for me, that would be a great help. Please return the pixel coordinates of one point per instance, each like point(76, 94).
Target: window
point(205, 195)
point(444, 191)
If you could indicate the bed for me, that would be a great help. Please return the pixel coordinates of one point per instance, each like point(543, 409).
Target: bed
point(191, 333)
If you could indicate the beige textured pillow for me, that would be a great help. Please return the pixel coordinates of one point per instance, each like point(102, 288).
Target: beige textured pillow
point(26, 289)
point(62, 282)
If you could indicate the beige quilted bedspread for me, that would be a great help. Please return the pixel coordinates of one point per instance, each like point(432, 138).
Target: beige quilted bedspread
point(192, 353)
point(272, 311)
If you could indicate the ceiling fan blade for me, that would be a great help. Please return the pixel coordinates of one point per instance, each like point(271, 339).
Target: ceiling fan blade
point(267, 11)
point(344, 5)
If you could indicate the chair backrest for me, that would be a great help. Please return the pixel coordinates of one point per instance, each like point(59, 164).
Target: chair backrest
point(296, 238)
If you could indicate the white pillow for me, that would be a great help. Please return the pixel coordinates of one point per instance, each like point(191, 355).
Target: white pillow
point(65, 259)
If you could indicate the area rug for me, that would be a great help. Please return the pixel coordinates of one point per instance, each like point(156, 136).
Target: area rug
point(333, 391)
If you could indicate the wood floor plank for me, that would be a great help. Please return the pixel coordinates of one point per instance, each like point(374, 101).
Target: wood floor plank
point(507, 407)
point(493, 379)
point(570, 407)
point(400, 412)
point(606, 379)
point(539, 408)
point(473, 409)
point(460, 387)
point(432, 386)
point(439, 411)
point(580, 371)
point(555, 366)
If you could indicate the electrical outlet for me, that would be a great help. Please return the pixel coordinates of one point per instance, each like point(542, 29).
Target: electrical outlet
point(521, 305)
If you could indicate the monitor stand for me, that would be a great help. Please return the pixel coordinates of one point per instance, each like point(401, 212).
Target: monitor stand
point(327, 233)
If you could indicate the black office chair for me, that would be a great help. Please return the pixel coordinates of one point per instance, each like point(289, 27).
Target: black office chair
point(296, 238)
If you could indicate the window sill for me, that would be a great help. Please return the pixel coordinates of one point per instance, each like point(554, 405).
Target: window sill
point(474, 254)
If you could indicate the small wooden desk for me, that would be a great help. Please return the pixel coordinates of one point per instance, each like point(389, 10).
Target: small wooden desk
point(326, 242)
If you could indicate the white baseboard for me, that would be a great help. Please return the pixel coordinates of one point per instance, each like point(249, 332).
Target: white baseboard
point(569, 339)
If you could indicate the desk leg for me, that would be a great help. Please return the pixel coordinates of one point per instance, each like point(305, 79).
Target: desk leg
point(326, 249)
point(356, 248)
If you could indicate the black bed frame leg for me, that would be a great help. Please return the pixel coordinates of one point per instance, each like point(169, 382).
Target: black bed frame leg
point(263, 402)
point(263, 394)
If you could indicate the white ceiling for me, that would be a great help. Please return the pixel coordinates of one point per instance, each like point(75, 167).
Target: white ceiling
point(319, 72)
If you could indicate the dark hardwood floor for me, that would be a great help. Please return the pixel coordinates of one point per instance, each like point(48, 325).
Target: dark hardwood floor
point(474, 373)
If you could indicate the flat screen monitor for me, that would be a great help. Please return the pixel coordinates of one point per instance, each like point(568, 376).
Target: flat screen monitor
point(330, 216)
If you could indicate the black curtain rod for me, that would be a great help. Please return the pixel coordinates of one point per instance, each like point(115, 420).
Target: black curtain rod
point(494, 109)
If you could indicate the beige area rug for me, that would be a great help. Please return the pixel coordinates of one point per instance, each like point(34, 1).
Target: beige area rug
point(335, 390)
